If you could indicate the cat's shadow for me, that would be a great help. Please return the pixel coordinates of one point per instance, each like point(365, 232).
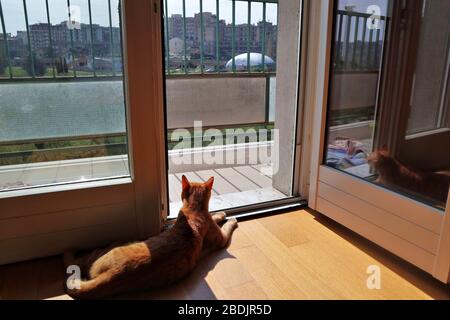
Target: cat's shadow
point(193, 287)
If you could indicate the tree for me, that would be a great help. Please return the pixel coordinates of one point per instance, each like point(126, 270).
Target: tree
point(3, 61)
point(61, 65)
point(40, 68)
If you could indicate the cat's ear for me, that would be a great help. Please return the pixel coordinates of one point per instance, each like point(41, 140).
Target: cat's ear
point(209, 183)
point(185, 185)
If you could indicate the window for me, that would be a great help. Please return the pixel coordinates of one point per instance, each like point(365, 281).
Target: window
point(62, 112)
point(86, 186)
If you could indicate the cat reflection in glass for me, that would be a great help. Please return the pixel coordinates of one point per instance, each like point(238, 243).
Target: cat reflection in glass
point(393, 173)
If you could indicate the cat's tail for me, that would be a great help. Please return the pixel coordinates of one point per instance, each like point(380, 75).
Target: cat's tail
point(97, 288)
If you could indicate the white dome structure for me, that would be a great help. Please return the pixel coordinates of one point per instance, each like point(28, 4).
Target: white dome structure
point(256, 62)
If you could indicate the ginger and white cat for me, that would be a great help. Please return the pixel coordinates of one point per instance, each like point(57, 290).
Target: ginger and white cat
point(160, 260)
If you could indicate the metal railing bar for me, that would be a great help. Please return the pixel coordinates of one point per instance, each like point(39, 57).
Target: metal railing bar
point(201, 38)
point(233, 35)
point(118, 134)
point(71, 40)
point(369, 54)
point(339, 40)
point(166, 23)
point(363, 41)
point(377, 45)
point(353, 13)
point(5, 40)
point(117, 77)
point(52, 54)
point(63, 139)
point(356, 71)
point(228, 126)
point(185, 37)
point(263, 48)
point(92, 38)
point(249, 22)
point(355, 42)
point(217, 36)
point(111, 38)
point(347, 40)
point(267, 98)
point(220, 75)
point(74, 149)
point(30, 50)
point(119, 9)
point(59, 79)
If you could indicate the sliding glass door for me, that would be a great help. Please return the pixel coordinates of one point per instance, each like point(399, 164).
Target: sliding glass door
point(388, 118)
point(386, 165)
point(231, 98)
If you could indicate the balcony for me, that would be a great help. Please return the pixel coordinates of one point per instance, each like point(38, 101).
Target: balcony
point(48, 138)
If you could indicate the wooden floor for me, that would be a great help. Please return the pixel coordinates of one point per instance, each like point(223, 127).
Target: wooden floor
point(298, 255)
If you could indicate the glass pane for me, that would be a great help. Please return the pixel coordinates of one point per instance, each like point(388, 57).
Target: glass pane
point(222, 99)
point(66, 122)
point(428, 103)
point(388, 103)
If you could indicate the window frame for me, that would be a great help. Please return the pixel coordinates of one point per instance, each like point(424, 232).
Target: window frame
point(300, 166)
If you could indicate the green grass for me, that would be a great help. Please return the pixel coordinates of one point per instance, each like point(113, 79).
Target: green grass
point(19, 72)
point(62, 150)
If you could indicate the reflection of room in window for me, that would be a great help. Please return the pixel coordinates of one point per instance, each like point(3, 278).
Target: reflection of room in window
point(428, 107)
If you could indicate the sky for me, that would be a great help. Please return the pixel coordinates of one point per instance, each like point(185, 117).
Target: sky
point(15, 18)
point(13, 12)
point(225, 10)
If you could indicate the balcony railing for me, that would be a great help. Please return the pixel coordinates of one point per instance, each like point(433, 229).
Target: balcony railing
point(358, 48)
point(217, 65)
point(60, 69)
